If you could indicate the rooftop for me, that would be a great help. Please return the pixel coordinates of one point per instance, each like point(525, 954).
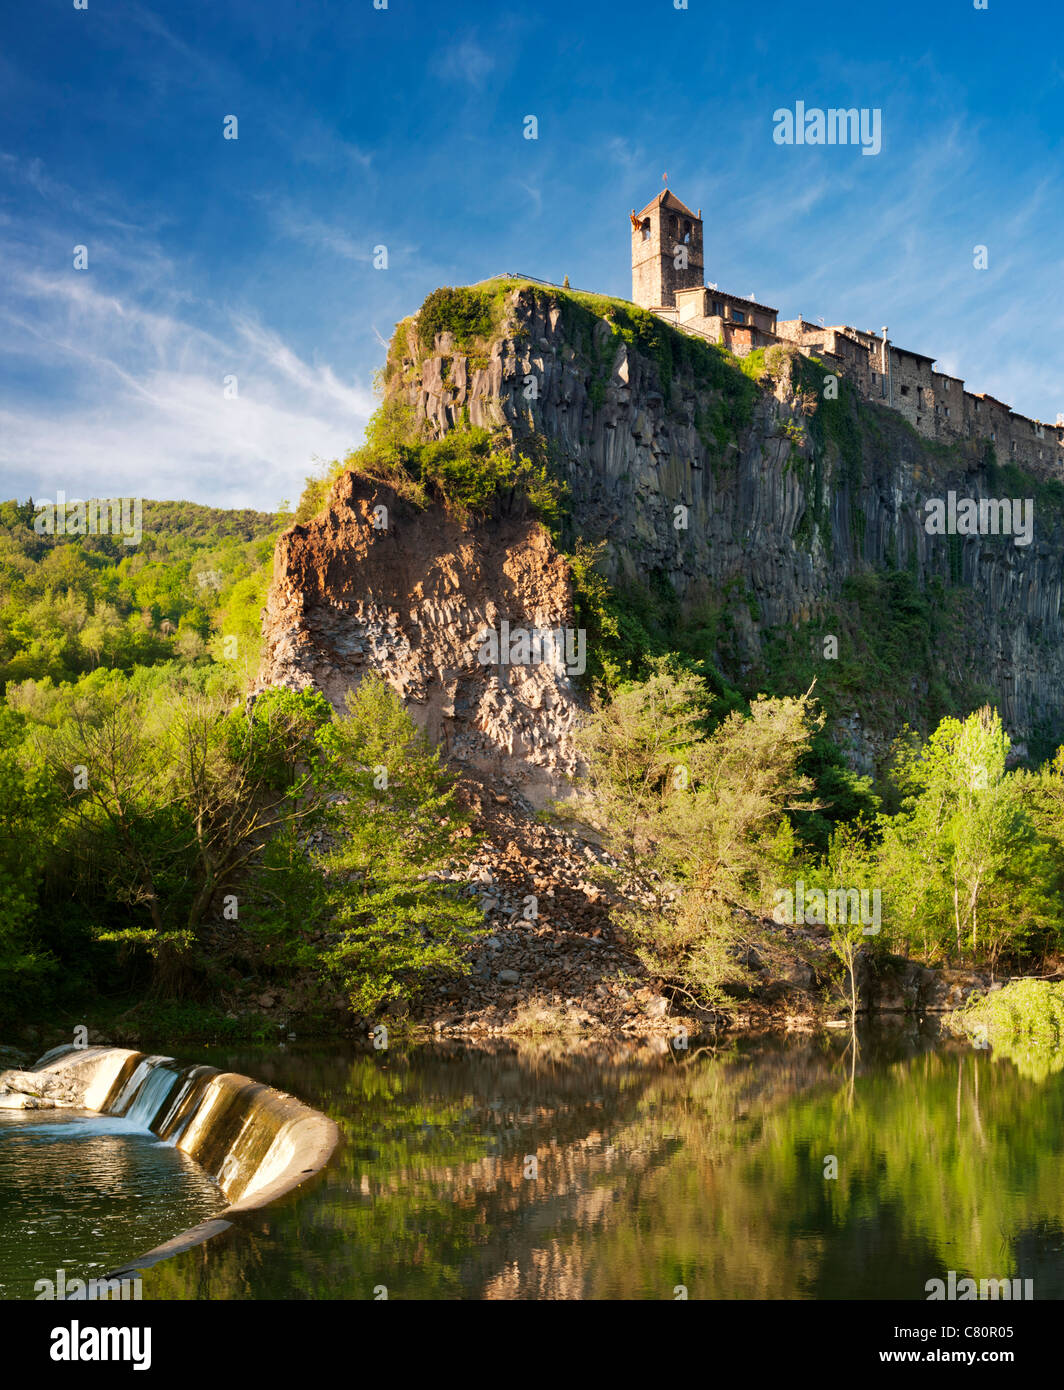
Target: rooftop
point(668, 199)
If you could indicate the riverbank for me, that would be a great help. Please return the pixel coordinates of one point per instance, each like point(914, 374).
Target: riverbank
point(551, 963)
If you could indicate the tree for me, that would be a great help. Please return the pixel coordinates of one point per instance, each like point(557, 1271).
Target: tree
point(957, 842)
point(169, 800)
point(395, 918)
point(698, 822)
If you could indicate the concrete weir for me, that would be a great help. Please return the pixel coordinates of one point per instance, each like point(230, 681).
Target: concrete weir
point(257, 1142)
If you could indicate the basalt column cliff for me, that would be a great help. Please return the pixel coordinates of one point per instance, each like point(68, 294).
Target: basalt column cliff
point(764, 500)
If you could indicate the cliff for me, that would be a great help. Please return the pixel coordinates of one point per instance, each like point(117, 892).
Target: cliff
point(749, 515)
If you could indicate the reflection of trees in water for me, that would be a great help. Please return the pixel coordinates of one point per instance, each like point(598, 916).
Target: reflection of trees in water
point(653, 1172)
point(945, 1162)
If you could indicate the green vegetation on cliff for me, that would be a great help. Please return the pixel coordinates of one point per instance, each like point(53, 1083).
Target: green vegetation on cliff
point(469, 470)
point(703, 813)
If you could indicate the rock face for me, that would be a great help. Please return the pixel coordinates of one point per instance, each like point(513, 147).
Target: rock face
point(764, 518)
point(413, 603)
point(28, 1090)
point(777, 521)
point(896, 985)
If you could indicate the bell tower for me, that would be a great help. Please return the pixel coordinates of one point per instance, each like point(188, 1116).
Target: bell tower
point(666, 251)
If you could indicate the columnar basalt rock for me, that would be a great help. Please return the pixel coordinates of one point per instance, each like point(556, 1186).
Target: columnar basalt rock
point(413, 603)
point(774, 515)
point(767, 518)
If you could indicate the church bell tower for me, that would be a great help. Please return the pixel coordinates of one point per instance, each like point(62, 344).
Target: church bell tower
point(666, 251)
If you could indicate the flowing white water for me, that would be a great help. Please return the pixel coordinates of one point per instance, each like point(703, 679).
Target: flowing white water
point(225, 1122)
point(142, 1070)
point(171, 1110)
point(151, 1096)
point(90, 1126)
point(85, 1193)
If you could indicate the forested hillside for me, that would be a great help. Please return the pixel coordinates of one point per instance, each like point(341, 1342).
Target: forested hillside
point(73, 605)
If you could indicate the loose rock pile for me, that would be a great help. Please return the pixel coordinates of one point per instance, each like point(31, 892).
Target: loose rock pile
point(551, 960)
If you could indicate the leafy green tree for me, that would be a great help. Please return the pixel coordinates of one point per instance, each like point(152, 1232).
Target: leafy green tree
point(698, 821)
point(953, 851)
point(394, 918)
point(169, 801)
point(27, 811)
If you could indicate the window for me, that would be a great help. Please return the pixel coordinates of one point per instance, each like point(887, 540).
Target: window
point(718, 308)
point(920, 397)
point(646, 228)
point(687, 233)
point(738, 316)
point(905, 390)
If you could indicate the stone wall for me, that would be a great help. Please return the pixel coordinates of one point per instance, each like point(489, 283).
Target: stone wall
point(935, 404)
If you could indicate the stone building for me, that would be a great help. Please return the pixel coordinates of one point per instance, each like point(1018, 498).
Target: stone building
point(667, 279)
point(666, 251)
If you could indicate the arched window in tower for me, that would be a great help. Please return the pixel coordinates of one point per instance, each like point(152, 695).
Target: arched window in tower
point(646, 228)
point(687, 234)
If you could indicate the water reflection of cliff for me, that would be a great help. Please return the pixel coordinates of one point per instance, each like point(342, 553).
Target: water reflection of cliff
point(656, 1171)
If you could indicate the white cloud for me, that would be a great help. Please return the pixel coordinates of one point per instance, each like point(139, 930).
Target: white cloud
point(127, 400)
point(319, 236)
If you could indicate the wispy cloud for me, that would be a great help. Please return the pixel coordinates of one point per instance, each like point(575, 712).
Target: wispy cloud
point(535, 194)
point(466, 61)
point(303, 227)
point(130, 399)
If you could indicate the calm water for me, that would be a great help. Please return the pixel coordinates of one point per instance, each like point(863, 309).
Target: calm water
point(84, 1193)
point(653, 1171)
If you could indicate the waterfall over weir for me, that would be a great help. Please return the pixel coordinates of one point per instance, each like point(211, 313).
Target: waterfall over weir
point(257, 1142)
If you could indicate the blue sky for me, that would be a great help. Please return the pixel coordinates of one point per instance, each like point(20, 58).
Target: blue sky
point(404, 127)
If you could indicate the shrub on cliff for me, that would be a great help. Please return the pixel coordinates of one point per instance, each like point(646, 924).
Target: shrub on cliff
point(467, 314)
point(469, 470)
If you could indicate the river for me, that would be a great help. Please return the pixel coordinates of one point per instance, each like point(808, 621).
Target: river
point(781, 1169)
